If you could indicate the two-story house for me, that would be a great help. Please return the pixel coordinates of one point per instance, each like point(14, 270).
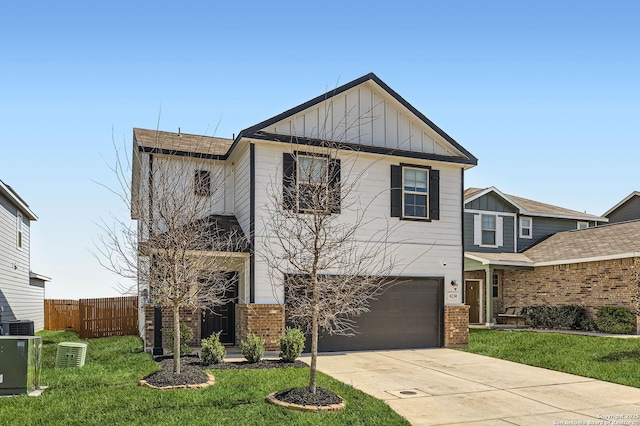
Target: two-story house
point(498, 229)
point(410, 177)
point(21, 290)
point(627, 209)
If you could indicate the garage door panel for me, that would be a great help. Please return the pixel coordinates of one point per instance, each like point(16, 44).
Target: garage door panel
point(407, 315)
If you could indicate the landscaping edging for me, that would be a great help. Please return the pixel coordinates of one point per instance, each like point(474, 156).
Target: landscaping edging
point(210, 382)
point(271, 398)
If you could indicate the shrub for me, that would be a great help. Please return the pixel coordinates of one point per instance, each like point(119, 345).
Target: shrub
point(213, 352)
point(564, 317)
point(291, 344)
point(252, 348)
point(186, 335)
point(615, 320)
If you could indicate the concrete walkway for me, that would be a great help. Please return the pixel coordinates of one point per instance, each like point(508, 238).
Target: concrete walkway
point(445, 386)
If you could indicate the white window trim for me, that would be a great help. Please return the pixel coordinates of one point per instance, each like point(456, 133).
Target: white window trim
point(426, 194)
point(582, 223)
point(530, 227)
point(19, 232)
point(477, 230)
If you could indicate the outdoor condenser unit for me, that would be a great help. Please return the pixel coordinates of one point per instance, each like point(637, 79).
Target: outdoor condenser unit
point(71, 354)
point(20, 362)
point(18, 328)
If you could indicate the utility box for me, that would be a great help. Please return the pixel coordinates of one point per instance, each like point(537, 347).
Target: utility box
point(20, 364)
point(71, 354)
point(18, 328)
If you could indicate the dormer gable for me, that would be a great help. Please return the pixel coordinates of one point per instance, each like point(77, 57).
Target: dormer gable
point(364, 114)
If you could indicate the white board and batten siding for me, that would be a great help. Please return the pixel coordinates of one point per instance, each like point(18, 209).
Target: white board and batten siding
point(19, 299)
point(422, 249)
point(365, 116)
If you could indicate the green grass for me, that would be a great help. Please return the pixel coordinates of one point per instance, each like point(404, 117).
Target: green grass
point(105, 392)
point(604, 358)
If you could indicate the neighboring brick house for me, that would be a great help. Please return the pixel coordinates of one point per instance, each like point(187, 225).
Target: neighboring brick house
point(591, 267)
point(499, 226)
point(410, 175)
point(627, 209)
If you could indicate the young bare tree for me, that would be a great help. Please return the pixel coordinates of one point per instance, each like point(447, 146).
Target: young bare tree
point(316, 244)
point(176, 249)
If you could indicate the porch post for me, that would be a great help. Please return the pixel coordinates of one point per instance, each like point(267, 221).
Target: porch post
point(489, 296)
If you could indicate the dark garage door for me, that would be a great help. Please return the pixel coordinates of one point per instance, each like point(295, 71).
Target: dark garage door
point(407, 315)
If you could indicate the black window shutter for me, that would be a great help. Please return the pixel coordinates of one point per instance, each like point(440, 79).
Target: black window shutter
point(396, 191)
point(334, 185)
point(288, 181)
point(434, 194)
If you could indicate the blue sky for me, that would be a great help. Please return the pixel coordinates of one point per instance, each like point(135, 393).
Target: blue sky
point(546, 94)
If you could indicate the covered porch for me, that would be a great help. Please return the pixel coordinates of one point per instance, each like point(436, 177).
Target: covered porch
point(483, 282)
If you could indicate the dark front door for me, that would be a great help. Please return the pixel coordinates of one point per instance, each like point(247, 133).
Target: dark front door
point(222, 317)
point(472, 298)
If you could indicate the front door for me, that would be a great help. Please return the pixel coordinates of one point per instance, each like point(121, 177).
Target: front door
point(222, 317)
point(472, 298)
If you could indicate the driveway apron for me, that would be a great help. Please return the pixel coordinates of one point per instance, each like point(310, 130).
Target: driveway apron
point(445, 386)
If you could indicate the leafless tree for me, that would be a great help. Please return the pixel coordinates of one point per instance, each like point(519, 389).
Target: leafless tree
point(319, 241)
point(176, 249)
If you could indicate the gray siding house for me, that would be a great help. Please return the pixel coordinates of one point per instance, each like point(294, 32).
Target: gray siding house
point(21, 291)
point(625, 210)
point(500, 226)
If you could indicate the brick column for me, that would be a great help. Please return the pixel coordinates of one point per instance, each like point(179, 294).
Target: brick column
point(456, 326)
point(266, 321)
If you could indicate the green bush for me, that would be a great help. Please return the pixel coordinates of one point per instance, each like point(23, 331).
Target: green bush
point(291, 344)
point(615, 320)
point(186, 335)
point(212, 351)
point(252, 348)
point(554, 317)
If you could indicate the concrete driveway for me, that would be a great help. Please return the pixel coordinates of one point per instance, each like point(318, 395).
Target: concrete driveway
point(445, 386)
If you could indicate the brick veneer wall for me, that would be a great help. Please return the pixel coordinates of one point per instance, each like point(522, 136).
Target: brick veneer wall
point(189, 317)
point(266, 321)
point(589, 284)
point(456, 326)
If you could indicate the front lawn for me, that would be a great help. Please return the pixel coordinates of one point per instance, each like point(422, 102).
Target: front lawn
point(105, 391)
point(604, 358)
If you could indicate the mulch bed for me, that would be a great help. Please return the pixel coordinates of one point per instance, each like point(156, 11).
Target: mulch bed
point(192, 371)
point(192, 374)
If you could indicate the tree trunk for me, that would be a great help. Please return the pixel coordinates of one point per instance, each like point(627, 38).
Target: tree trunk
point(176, 338)
point(314, 350)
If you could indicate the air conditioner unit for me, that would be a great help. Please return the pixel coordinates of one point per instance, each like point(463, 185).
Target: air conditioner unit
point(20, 363)
point(18, 328)
point(71, 354)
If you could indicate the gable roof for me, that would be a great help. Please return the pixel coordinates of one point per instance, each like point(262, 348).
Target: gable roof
point(618, 240)
point(16, 200)
point(615, 241)
point(156, 141)
point(530, 207)
point(259, 131)
point(621, 203)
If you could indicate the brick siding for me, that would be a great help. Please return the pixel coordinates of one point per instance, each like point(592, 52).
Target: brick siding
point(456, 326)
point(588, 284)
point(266, 321)
point(189, 317)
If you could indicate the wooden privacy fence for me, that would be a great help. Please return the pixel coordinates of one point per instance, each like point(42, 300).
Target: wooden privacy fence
point(91, 318)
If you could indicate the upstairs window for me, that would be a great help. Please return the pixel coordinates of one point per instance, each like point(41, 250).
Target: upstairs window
point(311, 183)
point(526, 227)
point(488, 230)
point(583, 225)
point(415, 192)
point(202, 183)
point(19, 234)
